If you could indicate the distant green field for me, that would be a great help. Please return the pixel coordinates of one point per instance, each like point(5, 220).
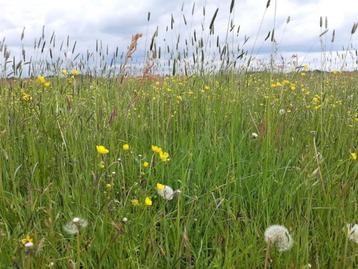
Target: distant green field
point(240, 152)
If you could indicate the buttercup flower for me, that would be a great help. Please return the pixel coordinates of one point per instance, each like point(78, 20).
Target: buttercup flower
point(102, 149)
point(148, 201)
point(28, 244)
point(164, 156)
point(145, 164)
point(27, 241)
point(279, 236)
point(74, 72)
point(125, 147)
point(156, 149)
point(354, 156)
point(41, 79)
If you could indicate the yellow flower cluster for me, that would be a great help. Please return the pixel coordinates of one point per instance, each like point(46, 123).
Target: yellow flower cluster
point(163, 155)
point(42, 80)
point(26, 97)
point(147, 202)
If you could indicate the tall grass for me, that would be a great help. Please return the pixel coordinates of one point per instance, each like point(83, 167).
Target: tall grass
point(246, 149)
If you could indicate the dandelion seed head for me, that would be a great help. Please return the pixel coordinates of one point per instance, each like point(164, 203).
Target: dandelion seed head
point(75, 225)
point(353, 232)
point(279, 236)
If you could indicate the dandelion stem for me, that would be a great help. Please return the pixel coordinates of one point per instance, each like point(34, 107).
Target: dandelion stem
point(268, 254)
point(78, 263)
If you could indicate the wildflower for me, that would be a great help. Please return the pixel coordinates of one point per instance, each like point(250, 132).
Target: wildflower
point(102, 149)
point(75, 225)
point(135, 202)
point(109, 186)
point(28, 244)
point(165, 191)
point(145, 164)
point(148, 201)
point(27, 241)
point(353, 232)
point(26, 97)
point(47, 84)
point(254, 135)
point(164, 156)
point(279, 236)
point(156, 149)
point(124, 219)
point(125, 147)
point(354, 156)
point(305, 67)
point(64, 72)
point(41, 79)
point(74, 72)
point(282, 111)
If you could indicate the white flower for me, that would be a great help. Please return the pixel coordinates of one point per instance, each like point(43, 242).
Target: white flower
point(279, 236)
point(254, 135)
point(282, 111)
point(29, 245)
point(353, 232)
point(74, 226)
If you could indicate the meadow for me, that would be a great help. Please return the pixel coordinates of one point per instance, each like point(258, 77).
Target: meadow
point(187, 153)
point(245, 150)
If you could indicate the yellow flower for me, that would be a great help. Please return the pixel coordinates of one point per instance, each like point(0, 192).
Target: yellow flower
point(26, 97)
point(47, 84)
point(102, 149)
point(156, 149)
point(109, 186)
point(125, 147)
point(135, 202)
point(26, 240)
point(65, 72)
point(164, 156)
point(41, 79)
point(74, 72)
point(160, 186)
point(305, 67)
point(145, 164)
point(354, 156)
point(148, 201)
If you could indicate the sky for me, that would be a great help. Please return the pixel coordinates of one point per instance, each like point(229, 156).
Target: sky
point(115, 21)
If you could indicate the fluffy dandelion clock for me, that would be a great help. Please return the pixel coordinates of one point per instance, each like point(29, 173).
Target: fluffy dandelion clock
point(353, 232)
point(166, 191)
point(75, 225)
point(279, 236)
